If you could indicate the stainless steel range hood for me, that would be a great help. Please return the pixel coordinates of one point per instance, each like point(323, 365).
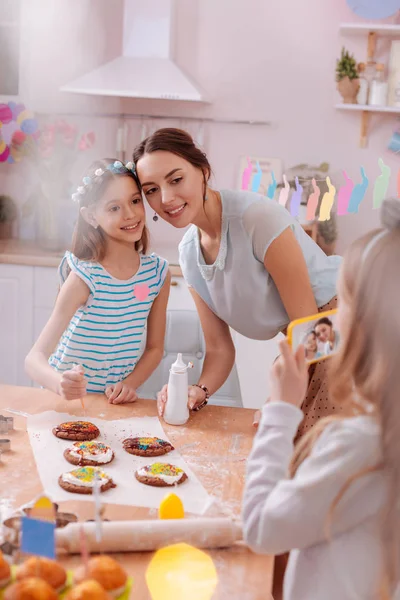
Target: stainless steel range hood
point(145, 69)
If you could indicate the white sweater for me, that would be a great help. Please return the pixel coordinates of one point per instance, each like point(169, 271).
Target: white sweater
point(282, 515)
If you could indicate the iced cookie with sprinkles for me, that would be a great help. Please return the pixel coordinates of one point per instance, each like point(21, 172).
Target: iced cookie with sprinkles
point(161, 475)
point(90, 454)
point(147, 446)
point(79, 431)
point(82, 480)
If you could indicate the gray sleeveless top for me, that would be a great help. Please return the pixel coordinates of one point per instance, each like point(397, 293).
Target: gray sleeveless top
point(237, 287)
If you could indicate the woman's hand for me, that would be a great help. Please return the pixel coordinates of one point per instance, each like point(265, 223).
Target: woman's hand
point(121, 393)
point(289, 376)
point(72, 385)
point(196, 396)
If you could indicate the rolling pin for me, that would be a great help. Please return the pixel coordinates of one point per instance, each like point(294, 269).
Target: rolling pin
point(149, 535)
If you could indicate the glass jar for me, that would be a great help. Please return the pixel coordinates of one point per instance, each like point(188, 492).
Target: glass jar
point(379, 87)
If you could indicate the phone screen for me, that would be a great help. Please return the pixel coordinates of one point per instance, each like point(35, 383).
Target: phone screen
point(318, 334)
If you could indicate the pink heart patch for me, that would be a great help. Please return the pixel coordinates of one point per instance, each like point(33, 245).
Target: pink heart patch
point(141, 291)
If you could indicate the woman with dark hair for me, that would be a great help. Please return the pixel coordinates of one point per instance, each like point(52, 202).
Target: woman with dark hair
point(325, 333)
point(249, 265)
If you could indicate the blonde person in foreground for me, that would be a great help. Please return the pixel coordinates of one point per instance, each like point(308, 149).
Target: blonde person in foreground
point(333, 500)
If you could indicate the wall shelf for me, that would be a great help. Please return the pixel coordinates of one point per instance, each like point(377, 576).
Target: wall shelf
point(372, 31)
point(363, 28)
point(368, 108)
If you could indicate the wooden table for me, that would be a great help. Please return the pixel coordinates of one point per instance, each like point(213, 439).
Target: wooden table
point(215, 443)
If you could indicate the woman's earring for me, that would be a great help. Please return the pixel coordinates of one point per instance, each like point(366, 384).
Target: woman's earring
point(205, 197)
point(155, 217)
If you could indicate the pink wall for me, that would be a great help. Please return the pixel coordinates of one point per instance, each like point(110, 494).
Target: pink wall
point(272, 61)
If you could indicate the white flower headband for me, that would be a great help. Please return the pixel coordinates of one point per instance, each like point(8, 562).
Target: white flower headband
point(115, 167)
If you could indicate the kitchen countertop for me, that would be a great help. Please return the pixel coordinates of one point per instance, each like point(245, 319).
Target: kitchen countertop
point(20, 252)
point(215, 443)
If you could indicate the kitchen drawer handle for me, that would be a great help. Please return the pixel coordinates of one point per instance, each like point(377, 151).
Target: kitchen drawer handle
point(174, 283)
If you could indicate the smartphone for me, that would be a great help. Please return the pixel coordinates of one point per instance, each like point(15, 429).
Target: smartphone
point(318, 334)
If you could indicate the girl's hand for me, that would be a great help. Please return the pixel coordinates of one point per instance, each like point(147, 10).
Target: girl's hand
point(121, 393)
point(289, 376)
point(195, 397)
point(162, 398)
point(72, 384)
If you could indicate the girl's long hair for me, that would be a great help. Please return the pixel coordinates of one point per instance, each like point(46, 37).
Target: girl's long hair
point(89, 243)
point(366, 370)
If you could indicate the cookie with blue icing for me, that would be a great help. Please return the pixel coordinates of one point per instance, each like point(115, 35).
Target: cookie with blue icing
point(147, 446)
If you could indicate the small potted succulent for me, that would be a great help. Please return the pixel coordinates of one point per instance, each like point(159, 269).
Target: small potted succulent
point(8, 214)
point(347, 79)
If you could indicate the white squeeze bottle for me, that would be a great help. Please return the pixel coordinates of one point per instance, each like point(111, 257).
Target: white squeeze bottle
point(176, 409)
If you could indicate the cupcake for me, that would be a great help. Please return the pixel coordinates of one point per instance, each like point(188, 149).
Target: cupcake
point(106, 571)
point(44, 568)
point(5, 572)
point(32, 588)
point(88, 590)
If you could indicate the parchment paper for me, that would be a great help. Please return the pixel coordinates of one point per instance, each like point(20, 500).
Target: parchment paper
point(48, 451)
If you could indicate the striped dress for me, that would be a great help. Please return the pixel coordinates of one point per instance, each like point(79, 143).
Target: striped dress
point(105, 335)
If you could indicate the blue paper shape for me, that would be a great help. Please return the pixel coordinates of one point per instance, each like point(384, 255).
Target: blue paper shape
point(374, 9)
point(272, 187)
point(38, 537)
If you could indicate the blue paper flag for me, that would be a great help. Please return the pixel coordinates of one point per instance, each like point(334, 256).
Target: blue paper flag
point(38, 537)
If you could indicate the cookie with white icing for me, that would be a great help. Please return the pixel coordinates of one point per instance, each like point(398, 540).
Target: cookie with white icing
point(82, 480)
point(89, 454)
point(161, 475)
point(76, 431)
point(147, 446)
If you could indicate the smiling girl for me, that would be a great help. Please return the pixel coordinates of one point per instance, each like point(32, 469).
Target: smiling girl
point(111, 291)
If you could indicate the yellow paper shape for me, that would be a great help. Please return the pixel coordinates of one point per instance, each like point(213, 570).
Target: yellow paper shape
point(171, 507)
point(43, 509)
point(179, 572)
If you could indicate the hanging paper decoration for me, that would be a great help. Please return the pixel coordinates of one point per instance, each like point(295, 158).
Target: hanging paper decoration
point(15, 121)
point(284, 193)
point(87, 140)
point(272, 187)
point(358, 193)
point(327, 202)
point(295, 200)
point(381, 184)
point(247, 175)
point(344, 195)
point(255, 186)
point(312, 202)
point(349, 196)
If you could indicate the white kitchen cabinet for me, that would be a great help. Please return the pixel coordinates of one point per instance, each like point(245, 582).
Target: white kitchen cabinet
point(254, 359)
point(180, 297)
point(16, 322)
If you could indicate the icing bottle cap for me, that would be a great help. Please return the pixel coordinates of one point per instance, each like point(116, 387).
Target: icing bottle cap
point(179, 366)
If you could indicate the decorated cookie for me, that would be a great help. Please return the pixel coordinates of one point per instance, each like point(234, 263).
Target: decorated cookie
point(82, 480)
point(89, 454)
point(147, 446)
point(160, 475)
point(80, 431)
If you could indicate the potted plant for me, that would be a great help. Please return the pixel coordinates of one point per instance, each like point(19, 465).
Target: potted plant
point(8, 214)
point(348, 83)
